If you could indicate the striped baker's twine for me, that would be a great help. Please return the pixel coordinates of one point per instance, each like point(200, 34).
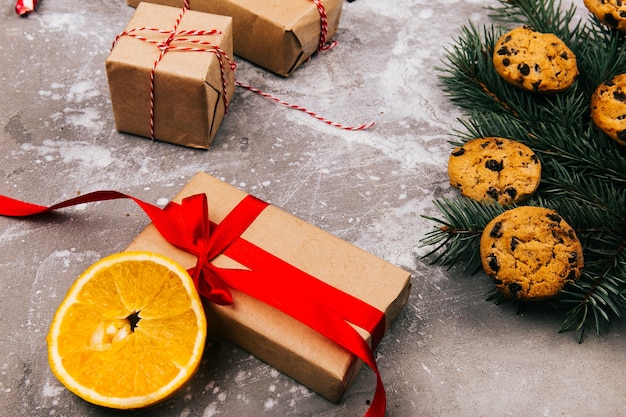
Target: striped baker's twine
point(24, 7)
point(304, 109)
point(175, 35)
point(323, 46)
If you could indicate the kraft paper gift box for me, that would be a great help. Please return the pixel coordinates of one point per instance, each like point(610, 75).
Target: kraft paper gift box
point(269, 334)
point(278, 35)
point(189, 86)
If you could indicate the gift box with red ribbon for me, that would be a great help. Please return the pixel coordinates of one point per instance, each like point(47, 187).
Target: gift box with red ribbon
point(310, 304)
point(171, 74)
point(276, 35)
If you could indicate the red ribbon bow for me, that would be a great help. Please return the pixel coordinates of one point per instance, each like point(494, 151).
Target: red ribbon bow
point(197, 235)
point(267, 278)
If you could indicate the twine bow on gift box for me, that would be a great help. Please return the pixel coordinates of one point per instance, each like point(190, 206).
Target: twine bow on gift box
point(316, 304)
point(174, 35)
point(172, 42)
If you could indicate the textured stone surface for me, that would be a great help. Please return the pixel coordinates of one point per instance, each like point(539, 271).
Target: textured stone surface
point(450, 353)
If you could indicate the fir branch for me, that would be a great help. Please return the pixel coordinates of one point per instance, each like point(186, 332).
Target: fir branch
point(603, 295)
point(579, 190)
point(468, 75)
point(459, 231)
point(489, 123)
point(470, 80)
point(600, 54)
point(546, 16)
point(600, 292)
point(583, 171)
point(564, 153)
point(459, 76)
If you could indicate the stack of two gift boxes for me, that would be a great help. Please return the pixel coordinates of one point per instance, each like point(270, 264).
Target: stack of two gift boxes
point(174, 86)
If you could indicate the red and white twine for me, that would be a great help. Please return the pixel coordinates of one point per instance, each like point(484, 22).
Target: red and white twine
point(304, 109)
point(175, 35)
point(180, 36)
point(323, 46)
point(24, 7)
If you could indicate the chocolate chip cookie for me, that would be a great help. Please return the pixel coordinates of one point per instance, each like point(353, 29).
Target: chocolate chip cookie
point(608, 108)
point(610, 12)
point(494, 169)
point(531, 253)
point(534, 61)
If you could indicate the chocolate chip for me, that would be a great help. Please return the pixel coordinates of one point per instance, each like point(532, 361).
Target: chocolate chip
point(460, 152)
point(497, 281)
point(493, 263)
point(564, 56)
point(493, 193)
point(619, 96)
point(511, 192)
point(514, 287)
point(573, 258)
point(503, 51)
point(610, 20)
point(496, 230)
point(506, 62)
point(514, 243)
point(524, 69)
point(554, 217)
point(536, 85)
point(556, 234)
point(534, 158)
point(494, 165)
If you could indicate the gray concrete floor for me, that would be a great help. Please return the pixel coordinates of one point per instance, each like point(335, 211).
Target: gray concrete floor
point(450, 352)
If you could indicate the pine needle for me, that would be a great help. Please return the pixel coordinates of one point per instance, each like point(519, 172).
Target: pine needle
point(583, 171)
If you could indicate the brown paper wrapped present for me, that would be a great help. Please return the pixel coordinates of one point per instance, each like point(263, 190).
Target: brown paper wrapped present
point(268, 333)
point(193, 80)
point(277, 35)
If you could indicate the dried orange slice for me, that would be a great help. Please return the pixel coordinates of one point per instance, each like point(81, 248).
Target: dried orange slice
point(129, 333)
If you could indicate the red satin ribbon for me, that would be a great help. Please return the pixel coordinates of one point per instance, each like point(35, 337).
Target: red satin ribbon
point(267, 278)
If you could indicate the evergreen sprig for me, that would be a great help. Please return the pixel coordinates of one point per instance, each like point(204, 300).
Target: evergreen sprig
point(547, 16)
point(583, 171)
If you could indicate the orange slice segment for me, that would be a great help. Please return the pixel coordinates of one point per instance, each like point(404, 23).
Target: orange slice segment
point(129, 333)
